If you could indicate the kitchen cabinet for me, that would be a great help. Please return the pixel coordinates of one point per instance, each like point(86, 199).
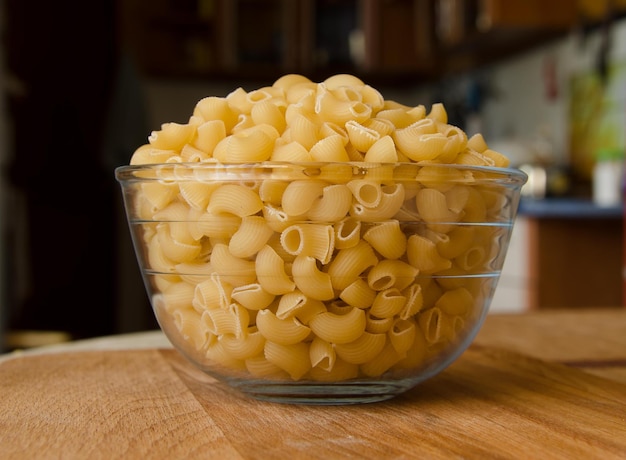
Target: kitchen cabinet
point(268, 38)
point(474, 32)
point(563, 253)
point(575, 262)
point(418, 39)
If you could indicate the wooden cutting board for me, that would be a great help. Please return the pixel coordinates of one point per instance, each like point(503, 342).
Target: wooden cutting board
point(154, 404)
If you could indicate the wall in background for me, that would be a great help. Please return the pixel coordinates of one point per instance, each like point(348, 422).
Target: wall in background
point(525, 100)
point(523, 106)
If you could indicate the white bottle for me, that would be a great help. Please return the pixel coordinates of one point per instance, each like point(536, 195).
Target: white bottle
point(607, 177)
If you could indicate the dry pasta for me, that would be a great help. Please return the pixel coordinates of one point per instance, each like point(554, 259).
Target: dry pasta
point(283, 331)
point(363, 349)
point(328, 275)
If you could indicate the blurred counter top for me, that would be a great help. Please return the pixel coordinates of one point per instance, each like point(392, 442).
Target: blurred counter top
point(568, 208)
point(545, 384)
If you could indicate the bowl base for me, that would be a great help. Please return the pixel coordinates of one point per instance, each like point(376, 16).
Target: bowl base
point(321, 394)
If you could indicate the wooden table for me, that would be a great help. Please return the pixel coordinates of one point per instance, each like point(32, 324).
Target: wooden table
point(549, 384)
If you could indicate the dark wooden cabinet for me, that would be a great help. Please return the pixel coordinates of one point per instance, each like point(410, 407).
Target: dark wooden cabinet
point(268, 38)
point(575, 262)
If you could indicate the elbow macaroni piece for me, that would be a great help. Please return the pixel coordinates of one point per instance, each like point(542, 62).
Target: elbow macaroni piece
point(325, 277)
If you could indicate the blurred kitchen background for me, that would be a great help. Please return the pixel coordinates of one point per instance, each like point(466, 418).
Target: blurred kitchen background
point(84, 83)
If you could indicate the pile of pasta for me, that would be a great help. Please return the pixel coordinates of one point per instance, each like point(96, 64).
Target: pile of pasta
point(328, 276)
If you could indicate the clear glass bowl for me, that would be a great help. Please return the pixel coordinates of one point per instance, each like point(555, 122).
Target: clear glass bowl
point(324, 283)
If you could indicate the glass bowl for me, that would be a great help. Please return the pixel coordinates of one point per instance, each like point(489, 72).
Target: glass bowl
point(320, 283)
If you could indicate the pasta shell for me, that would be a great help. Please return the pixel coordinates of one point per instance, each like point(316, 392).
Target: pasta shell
point(389, 273)
point(414, 301)
point(398, 116)
point(391, 104)
point(366, 192)
point(473, 158)
point(333, 205)
point(339, 110)
point(432, 206)
point(217, 109)
point(347, 233)
point(196, 194)
point(363, 349)
point(315, 240)
point(271, 272)
point(172, 136)
point(322, 354)
point(372, 97)
point(187, 322)
point(190, 154)
point(329, 149)
point(252, 144)
point(158, 194)
point(387, 303)
point(248, 346)
point(252, 296)
point(266, 112)
point(293, 359)
point(238, 100)
point(148, 154)
point(211, 293)
point(477, 143)
point(304, 131)
point(339, 80)
point(418, 112)
point(288, 81)
point(288, 331)
point(382, 151)
point(299, 196)
point(382, 126)
point(376, 325)
point(174, 250)
point(499, 160)
point(423, 255)
point(233, 270)
point(178, 295)
point(402, 335)
point(361, 137)
point(417, 146)
point(250, 237)
point(292, 152)
point(387, 238)
point(438, 113)
point(313, 282)
point(353, 153)
point(339, 329)
point(391, 202)
point(358, 294)
point(209, 134)
point(215, 226)
point(302, 94)
point(457, 142)
point(234, 199)
point(350, 263)
point(332, 129)
point(244, 122)
point(194, 272)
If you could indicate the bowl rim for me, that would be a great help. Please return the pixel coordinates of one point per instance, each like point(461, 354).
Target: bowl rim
point(146, 172)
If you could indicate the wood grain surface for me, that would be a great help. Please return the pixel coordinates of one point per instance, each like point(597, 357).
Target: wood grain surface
point(491, 403)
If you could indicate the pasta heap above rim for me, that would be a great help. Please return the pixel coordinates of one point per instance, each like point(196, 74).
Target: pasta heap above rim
point(341, 119)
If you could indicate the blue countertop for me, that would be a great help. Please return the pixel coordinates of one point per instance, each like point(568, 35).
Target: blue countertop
point(568, 208)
